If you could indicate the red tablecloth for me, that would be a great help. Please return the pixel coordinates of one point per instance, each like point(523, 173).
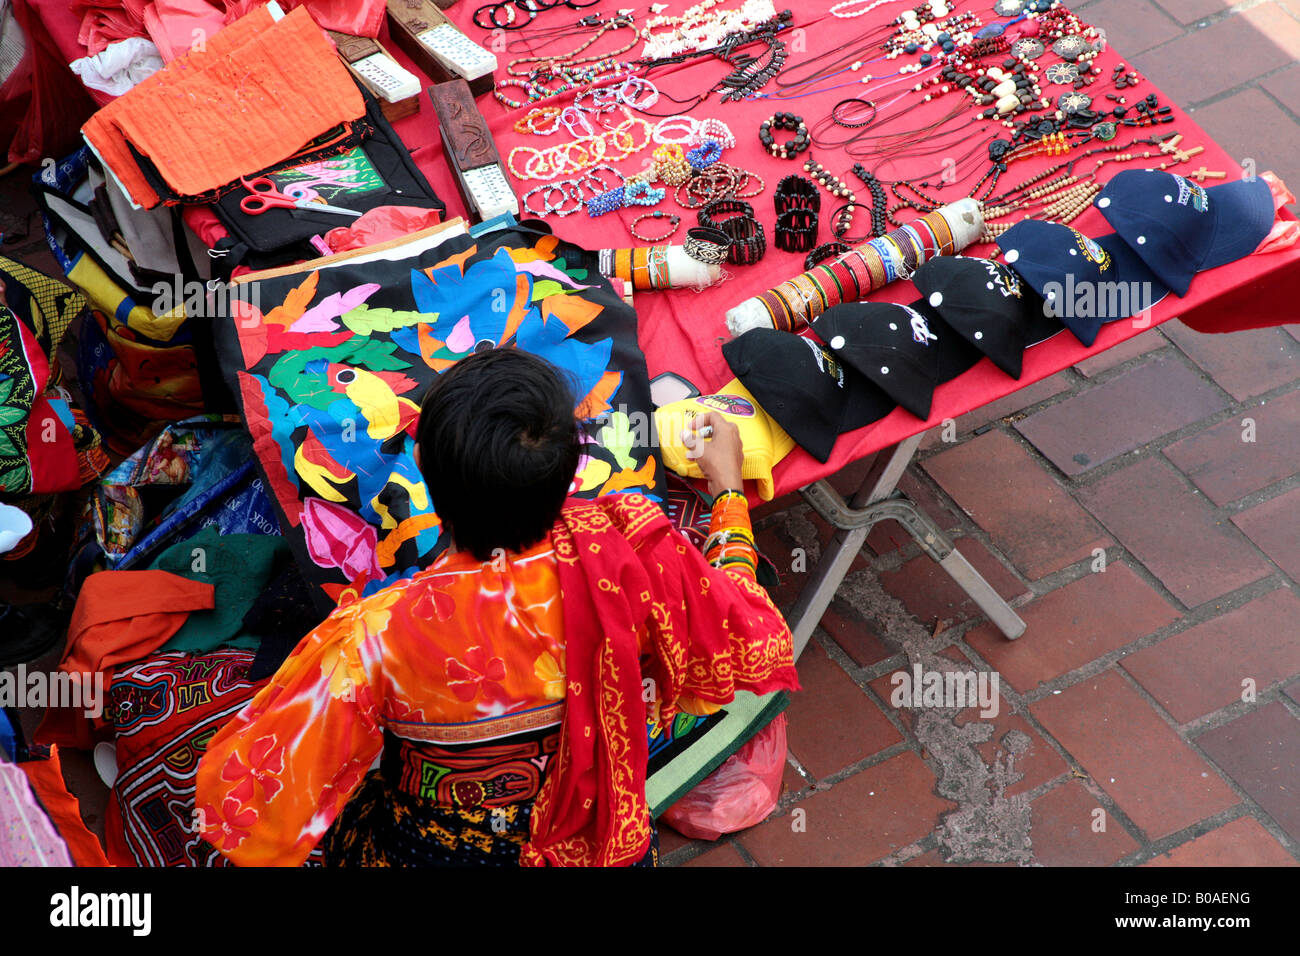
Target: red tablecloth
point(681, 331)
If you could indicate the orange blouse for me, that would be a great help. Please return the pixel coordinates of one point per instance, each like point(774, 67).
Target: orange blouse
point(464, 651)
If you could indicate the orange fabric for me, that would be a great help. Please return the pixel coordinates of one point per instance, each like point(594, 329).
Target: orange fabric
point(256, 94)
point(623, 569)
point(46, 778)
point(120, 616)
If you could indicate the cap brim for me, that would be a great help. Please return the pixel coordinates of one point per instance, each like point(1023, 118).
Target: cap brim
point(1144, 288)
point(1243, 215)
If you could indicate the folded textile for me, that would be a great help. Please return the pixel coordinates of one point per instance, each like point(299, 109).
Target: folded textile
point(120, 616)
point(255, 94)
point(238, 566)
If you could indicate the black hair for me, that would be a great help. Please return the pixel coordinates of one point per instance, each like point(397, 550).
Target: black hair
point(499, 447)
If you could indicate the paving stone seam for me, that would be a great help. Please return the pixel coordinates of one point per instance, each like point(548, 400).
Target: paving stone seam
point(1265, 819)
point(1217, 821)
point(1226, 714)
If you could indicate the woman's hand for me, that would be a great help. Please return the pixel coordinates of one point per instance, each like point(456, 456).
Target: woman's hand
point(720, 455)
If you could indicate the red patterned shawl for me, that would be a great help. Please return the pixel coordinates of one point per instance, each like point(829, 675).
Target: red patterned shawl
point(624, 568)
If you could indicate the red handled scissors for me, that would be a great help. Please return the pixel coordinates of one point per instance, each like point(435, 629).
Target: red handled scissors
point(265, 196)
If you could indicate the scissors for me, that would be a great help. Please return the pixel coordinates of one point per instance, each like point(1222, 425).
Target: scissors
point(265, 196)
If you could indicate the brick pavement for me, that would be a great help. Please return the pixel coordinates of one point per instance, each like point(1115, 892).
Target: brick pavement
point(1151, 712)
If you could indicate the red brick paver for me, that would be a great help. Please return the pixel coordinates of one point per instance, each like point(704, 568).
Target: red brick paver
point(1202, 669)
point(1275, 527)
point(869, 816)
point(1073, 625)
point(1227, 466)
point(833, 723)
point(1092, 427)
point(1068, 830)
point(1029, 516)
point(1261, 752)
point(1244, 364)
point(1133, 755)
point(1243, 842)
point(1197, 555)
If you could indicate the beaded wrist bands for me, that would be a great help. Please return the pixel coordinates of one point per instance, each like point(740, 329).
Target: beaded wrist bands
point(716, 213)
point(795, 192)
point(790, 148)
point(796, 230)
point(748, 244)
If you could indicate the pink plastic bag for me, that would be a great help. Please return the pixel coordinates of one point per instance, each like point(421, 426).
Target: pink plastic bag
point(739, 794)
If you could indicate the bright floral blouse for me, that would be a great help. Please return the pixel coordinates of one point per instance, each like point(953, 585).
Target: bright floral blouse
point(464, 651)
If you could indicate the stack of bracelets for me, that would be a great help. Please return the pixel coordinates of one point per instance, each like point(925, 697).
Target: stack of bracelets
point(707, 245)
point(632, 193)
point(719, 181)
point(569, 189)
point(796, 202)
point(670, 164)
point(790, 148)
point(646, 267)
point(731, 541)
point(796, 230)
point(748, 244)
point(855, 273)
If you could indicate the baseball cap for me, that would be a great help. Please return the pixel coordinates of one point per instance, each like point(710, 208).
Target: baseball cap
point(800, 383)
point(906, 350)
point(764, 441)
point(1180, 228)
point(1084, 282)
point(985, 303)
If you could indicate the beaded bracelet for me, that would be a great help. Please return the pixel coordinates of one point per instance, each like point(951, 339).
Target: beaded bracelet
point(673, 222)
point(723, 207)
point(796, 230)
point(676, 124)
point(716, 130)
point(796, 192)
point(748, 244)
point(827, 250)
point(706, 245)
point(790, 148)
point(671, 165)
point(704, 155)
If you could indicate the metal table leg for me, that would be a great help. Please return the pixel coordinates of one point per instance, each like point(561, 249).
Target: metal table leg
point(876, 501)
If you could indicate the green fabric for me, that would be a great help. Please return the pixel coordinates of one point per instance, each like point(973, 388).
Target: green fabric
point(238, 566)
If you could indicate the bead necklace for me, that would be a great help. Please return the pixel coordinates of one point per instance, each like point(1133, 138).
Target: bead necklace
point(698, 30)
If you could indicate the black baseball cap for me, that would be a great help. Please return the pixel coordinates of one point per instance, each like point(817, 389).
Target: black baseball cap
point(801, 384)
point(1180, 228)
point(1084, 282)
point(906, 350)
point(987, 304)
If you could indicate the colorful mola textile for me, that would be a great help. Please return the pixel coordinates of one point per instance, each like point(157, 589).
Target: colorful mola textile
point(165, 709)
point(330, 367)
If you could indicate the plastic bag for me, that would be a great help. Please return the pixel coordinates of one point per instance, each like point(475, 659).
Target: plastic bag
point(379, 225)
point(739, 794)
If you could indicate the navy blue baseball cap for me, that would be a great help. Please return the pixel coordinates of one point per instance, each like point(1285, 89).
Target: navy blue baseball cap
point(1180, 228)
point(1083, 282)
